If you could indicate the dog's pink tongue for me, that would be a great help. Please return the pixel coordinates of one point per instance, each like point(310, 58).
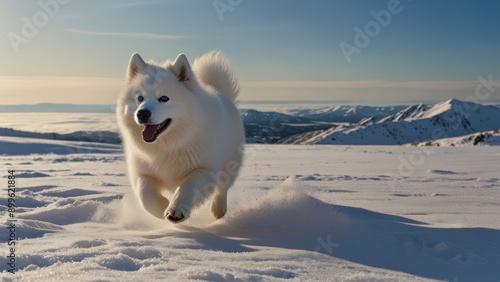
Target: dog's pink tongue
point(149, 132)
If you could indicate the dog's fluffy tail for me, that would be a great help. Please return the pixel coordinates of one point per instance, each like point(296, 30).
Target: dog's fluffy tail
point(213, 69)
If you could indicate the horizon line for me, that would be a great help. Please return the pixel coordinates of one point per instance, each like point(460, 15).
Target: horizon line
point(264, 102)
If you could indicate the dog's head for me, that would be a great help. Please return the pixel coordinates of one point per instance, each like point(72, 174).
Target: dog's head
point(157, 101)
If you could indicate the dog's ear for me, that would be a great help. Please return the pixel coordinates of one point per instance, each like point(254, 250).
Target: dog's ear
point(135, 66)
point(182, 69)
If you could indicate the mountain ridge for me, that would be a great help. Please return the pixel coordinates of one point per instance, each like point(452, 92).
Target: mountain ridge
point(416, 123)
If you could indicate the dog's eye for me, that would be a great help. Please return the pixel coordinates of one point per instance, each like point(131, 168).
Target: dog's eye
point(163, 99)
point(140, 98)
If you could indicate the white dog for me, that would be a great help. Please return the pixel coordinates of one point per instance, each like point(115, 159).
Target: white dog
point(181, 133)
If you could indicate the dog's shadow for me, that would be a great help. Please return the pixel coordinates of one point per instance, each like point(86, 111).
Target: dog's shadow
point(289, 219)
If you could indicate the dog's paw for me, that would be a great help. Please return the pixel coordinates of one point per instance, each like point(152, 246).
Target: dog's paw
point(218, 209)
point(175, 215)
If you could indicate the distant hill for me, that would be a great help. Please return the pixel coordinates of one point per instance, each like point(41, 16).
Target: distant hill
point(269, 127)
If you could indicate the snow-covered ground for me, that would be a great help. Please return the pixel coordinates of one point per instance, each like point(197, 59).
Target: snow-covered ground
point(323, 213)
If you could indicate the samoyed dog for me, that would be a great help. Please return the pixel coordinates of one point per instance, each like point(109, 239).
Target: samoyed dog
point(181, 133)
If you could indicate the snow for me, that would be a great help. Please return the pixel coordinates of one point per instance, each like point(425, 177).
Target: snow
point(321, 213)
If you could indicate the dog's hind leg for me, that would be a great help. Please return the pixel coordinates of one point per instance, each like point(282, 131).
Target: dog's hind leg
point(219, 204)
point(149, 192)
point(225, 180)
point(194, 191)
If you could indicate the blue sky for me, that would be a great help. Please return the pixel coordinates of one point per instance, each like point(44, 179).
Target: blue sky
point(282, 50)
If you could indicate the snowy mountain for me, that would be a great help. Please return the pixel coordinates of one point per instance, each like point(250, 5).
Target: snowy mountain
point(417, 123)
point(349, 114)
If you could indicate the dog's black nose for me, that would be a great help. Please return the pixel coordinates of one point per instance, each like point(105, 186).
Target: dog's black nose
point(143, 116)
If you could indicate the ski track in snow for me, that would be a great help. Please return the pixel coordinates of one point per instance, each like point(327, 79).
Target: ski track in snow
point(331, 213)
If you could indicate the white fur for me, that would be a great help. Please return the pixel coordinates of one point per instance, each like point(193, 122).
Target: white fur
point(200, 153)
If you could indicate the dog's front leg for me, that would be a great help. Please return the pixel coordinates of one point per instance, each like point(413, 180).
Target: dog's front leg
point(149, 192)
point(193, 192)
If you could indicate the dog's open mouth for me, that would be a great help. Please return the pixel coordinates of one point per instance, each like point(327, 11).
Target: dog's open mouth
point(151, 131)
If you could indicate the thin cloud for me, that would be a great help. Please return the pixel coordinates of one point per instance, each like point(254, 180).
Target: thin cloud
point(50, 82)
point(364, 84)
point(260, 28)
point(138, 4)
point(130, 34)
point(67, 16)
